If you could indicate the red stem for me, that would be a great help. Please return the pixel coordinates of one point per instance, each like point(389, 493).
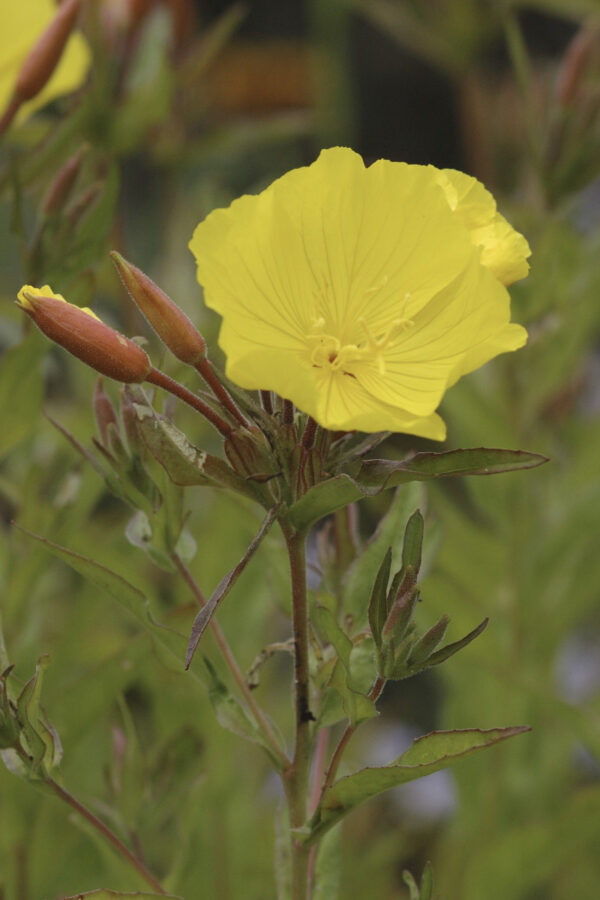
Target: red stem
point(206, 370)
point(178, 390)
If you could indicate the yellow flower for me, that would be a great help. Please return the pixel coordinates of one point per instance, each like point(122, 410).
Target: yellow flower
point(22, 25)
point(361, 294)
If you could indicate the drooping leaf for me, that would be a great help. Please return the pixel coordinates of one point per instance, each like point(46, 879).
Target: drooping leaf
point(428, 754)
point(208, 610)
point(129, 596)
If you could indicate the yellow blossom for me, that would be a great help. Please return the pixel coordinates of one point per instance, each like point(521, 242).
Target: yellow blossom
point(361, 294)
point(22, 25)
point(26, 297)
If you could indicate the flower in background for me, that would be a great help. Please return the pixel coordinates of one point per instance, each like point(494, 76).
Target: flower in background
point(362, 294)
point(23, 24)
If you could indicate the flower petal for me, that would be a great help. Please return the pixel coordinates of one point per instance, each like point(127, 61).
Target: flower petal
point(503, 250)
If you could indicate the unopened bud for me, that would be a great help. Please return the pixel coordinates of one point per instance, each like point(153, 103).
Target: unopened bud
point(104, 411)
point(575, 61)
point(61, 186)
point(43, 58)
point(83, 201)
point(82, 333)
point(169, 322)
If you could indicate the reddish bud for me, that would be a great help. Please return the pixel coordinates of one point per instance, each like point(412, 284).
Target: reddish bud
point(104, 411)
point(61, 186)
point(574, 64)
point(169, 322)
point(43, 58)
point(81, 333)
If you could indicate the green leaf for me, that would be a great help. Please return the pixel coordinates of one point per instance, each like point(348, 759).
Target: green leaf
point(328, 867)
point(231, 714)
point(375, 475)
point(362, 573)
point(208, 610)
point(428, 754)
point(356, 705)
point(385, 473)
point(132, 598)
point(450, 649)
point(184, 463)
point(21, 391)
point(378, 601)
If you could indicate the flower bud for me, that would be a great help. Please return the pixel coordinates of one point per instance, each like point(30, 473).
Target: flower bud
point(82, 333)
point(104, 412)
point(169, 322)
point(61, 186)
point(45, 54)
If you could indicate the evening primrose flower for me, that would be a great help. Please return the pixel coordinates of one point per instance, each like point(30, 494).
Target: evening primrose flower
point(23, 24)
point(362, 294)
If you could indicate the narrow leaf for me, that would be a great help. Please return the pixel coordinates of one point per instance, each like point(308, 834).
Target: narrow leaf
point(208, 610)
point(428, 754)
point(450, 649)
point(425, 466)
point(378, 601)
point(119, 588)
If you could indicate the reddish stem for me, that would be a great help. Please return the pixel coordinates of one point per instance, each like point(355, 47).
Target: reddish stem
point(178, 390)
point(206, 370)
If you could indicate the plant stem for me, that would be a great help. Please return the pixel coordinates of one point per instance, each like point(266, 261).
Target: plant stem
point(178, 390)
point(110, 836)
point(296, 778)
point(232, 665)
point(374, 694)
point(205, 369)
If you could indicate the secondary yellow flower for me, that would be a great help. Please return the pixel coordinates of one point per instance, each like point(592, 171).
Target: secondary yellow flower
point(361, 294)
point(22, 25)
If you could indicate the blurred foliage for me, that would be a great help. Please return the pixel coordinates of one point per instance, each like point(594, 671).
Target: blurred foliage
point(181, 115)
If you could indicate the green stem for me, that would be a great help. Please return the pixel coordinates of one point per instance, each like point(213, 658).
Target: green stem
point(232, 665)
point(296, 778)
point(374, 694)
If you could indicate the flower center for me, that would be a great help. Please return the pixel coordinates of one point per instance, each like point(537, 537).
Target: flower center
point(330, 353)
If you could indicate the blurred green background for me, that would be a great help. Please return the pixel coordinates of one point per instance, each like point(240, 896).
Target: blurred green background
point(184, 109)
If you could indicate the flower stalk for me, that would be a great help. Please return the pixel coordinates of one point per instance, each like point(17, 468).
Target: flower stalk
point(296, 778)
